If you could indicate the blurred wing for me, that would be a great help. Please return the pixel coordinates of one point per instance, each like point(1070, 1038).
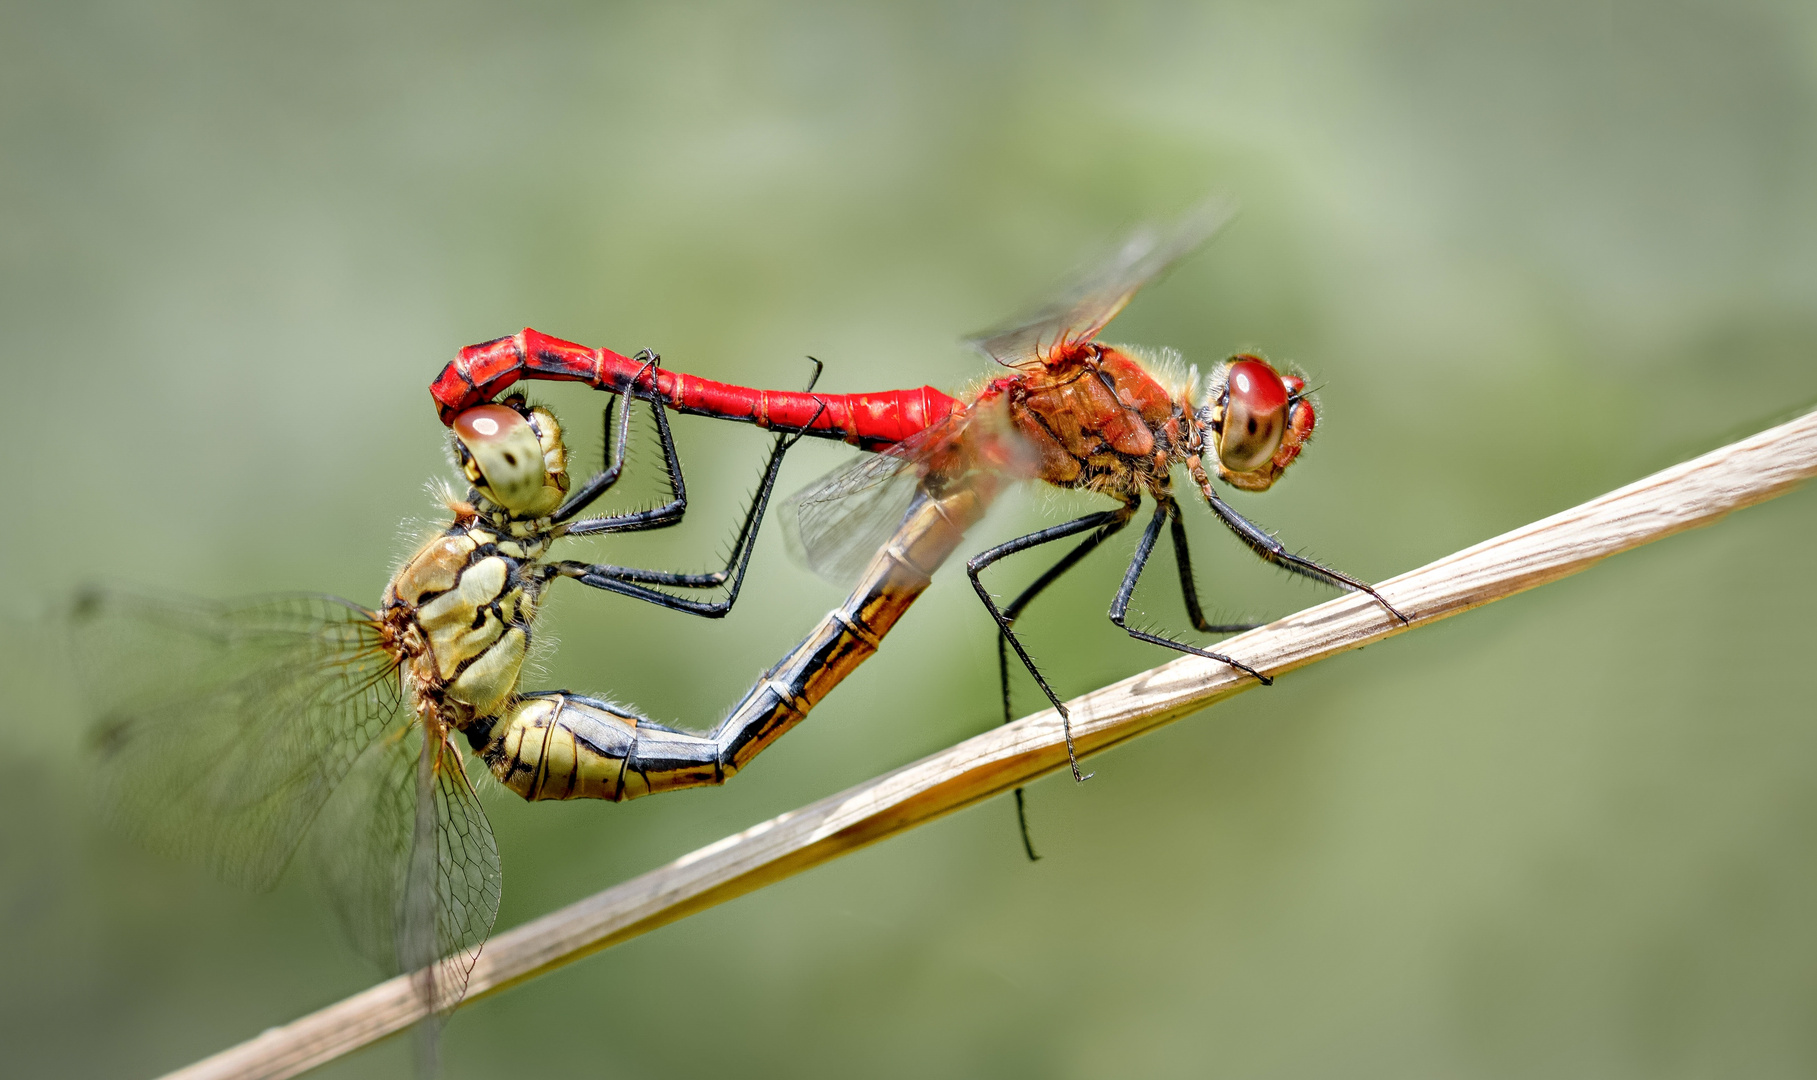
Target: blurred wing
point(409, 863)
point(837, 524)
point(1085, 305)
point(226, 731)
point(466, 885)
point(361, 844)
point(411, 868)
point(222, 729)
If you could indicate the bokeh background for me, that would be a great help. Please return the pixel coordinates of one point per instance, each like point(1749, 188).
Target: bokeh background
point(1530, 251)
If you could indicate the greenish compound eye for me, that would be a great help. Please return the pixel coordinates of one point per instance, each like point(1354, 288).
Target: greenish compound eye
point(508, 455)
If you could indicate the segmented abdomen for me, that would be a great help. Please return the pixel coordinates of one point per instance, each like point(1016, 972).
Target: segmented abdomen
point(564, 746)
point(870, 420)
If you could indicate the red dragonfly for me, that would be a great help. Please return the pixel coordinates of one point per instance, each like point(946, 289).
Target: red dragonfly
point(1074, 412)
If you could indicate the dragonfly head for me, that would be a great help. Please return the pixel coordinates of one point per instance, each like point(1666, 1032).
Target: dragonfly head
point(1255, 421)
point(513, 455)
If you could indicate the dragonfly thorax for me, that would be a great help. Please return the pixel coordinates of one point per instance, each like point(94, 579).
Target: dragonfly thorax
point(465, 605)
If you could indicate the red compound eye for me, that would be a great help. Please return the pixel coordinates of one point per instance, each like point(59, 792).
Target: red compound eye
point(1255, 415)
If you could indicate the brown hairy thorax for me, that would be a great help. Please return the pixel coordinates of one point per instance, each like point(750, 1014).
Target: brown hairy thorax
point(1097, 419)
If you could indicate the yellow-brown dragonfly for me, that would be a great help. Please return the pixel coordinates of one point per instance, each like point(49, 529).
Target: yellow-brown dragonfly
point(229, 731)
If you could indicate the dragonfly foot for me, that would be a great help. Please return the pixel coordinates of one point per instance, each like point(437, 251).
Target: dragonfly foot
point(1383, 600)
point(1072, 752)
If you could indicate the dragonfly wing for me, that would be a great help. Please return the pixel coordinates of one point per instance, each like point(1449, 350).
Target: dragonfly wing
point(409, 863)
point(1086, 303)
point(361, 845)
point(836, 524)
point(222, 729)
point(227, 731)
point(466, 885)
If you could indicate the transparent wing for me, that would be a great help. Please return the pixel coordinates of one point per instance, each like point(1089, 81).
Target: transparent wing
point(838, 523)
point(1087, 303)
point(361, 844)
point(410, 867)
point(222, 729)
point(226, 731)
point(409, 863)
point(460, 899)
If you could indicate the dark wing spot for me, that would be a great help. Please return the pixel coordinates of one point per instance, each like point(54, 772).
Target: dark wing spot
point(1252, 426)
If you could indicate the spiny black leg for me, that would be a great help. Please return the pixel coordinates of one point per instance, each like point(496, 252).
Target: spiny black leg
point(706, 609)
point(1272, 551)
point(660, 517)
point(741, 545)
point(1011, 612)
point(1028, 843)
point(1015, 607)
point(1189, 590)
point(631, 581)
point(605, 478)
point(1110, 521)
point(634, 522)
point(1119, 608)
point(670, 513)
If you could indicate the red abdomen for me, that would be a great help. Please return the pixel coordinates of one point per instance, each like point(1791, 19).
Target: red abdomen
point(872, 421)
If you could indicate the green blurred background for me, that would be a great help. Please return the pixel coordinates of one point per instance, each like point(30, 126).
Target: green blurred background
point(1532, 252)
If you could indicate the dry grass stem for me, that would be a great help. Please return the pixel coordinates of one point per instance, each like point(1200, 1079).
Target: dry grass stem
point(1697, 492)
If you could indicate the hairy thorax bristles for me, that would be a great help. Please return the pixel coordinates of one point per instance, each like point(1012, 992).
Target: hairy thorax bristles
point(1168, 367)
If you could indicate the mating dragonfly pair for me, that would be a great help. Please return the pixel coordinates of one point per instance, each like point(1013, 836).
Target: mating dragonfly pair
point(230, 731)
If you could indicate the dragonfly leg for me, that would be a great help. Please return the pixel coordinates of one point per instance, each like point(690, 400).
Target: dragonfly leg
point(1109, 521)
point(1189, 590)
point(636, 582)
point(605, 478)
point(659, 517)
point(1010, 613)
point(670, 513)
point(1119, 608)
point(563, 746)
point(1271, 550)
